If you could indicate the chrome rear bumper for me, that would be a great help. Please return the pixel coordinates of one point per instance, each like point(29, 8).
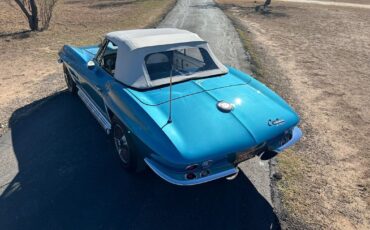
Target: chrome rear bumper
point(296, 135)
point(161, 171)
point(184, 182)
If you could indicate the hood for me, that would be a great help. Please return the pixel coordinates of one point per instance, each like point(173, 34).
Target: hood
point(74, 54)
point(200, 131)
point(86, 53)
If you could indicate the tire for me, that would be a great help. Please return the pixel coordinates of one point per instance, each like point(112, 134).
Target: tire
point(124, 146)
point(71, 85)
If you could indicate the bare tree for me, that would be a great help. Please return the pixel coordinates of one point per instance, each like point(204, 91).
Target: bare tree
point(46, 12)
point(267, 3)
point(36, 11)
point(264, 7)
point(29, 9)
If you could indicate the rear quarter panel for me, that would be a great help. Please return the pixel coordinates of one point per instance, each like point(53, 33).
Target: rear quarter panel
point(128, 110)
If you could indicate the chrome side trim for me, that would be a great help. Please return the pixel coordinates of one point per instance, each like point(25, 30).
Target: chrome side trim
point(184, 182)
point(296, 135)
point(94, 110)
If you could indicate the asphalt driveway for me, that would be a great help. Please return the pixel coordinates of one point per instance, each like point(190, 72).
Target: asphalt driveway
point(69, 178)
point(58, 170)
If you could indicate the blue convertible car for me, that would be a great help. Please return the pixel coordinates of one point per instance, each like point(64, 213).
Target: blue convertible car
point(170, 104)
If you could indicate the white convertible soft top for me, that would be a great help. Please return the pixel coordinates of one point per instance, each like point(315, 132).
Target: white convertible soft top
point(135, 45)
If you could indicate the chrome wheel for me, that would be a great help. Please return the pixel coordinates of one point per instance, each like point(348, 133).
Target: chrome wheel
point(120, 141)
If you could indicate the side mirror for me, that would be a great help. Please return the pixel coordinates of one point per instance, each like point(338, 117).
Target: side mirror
point(90, 64)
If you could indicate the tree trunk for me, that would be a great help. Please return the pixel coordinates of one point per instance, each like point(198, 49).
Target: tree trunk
point(31, 14)
point(33, 20)
point(267, 2)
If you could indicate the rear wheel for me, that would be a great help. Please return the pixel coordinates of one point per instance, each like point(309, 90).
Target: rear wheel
point(71, 85)
point(123, 145)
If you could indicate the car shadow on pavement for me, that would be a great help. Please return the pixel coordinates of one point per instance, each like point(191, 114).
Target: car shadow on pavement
point(69, 179)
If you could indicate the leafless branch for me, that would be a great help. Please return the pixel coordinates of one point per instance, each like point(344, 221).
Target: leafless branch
point(37, 11)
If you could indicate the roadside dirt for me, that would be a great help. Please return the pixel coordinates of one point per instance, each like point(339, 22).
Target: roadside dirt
point(29, 69)
point(317, 57)
point(339, 3)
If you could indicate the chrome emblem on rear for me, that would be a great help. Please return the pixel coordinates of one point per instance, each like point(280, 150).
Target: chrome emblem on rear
point(224, 106)
point(275, 122)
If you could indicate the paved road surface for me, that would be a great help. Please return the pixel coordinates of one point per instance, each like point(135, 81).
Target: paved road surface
point(58, 170)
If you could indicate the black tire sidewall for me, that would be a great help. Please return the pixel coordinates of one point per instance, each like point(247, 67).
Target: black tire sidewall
point(132, 162)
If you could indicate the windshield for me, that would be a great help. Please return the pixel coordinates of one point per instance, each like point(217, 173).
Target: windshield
point(177, 63)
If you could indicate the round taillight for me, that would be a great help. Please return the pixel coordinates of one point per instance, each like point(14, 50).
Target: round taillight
point(204, 173)
point(190, 176)
point(191, 167)
point(285, 139)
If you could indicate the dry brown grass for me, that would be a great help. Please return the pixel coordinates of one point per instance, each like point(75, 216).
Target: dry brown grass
point(317, 58)
point(350, 1)
point(28, 64)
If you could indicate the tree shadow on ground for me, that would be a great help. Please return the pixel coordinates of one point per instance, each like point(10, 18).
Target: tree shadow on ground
point(17, 35)
point(111, 4)
point(69, 179)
